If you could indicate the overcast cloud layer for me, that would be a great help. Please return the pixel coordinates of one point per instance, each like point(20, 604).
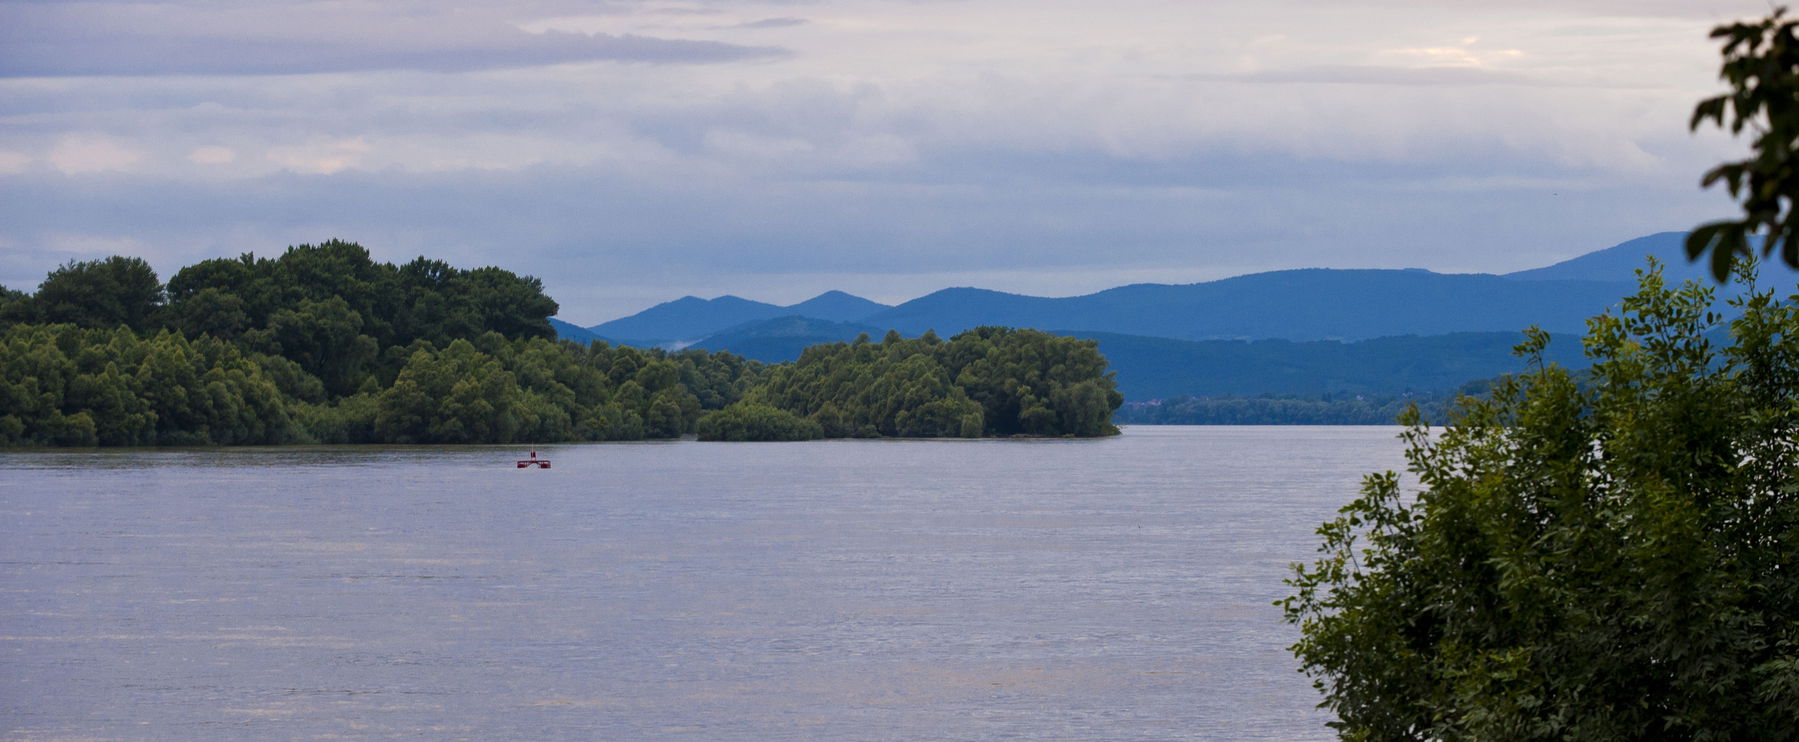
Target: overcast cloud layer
point(630, 152)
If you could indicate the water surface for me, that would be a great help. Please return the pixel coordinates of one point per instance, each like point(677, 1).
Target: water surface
point(838, 590)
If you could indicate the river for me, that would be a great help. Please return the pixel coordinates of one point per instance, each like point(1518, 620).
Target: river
point(838, 590)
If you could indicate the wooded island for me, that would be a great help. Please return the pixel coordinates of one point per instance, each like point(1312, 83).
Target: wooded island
point(324, 345)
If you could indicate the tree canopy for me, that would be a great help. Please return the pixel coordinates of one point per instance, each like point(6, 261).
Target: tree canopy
point(100, 293)
point(989, 381)
point(1605, 560)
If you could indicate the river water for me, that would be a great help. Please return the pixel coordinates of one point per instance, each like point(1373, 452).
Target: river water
point(840, 590)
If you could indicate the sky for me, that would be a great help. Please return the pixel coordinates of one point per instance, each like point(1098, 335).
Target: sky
point(629, 152)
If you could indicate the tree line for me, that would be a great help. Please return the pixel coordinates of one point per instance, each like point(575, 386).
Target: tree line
point(1280, 409)
point(1297, 409)
point(324, 344)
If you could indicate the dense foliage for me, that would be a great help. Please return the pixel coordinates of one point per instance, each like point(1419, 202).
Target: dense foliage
point(66, 386)
point(747, 421)
point(989, 381)
point(1761, 66)
point(1607, 560)
point(323, 344)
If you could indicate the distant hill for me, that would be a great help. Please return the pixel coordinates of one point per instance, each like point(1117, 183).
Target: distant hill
point(836, 306)
point(1619, 262)
point(1160, 368)
point(1310, 304)
point(1298, 305)
point(690, 318)
point(783, 338)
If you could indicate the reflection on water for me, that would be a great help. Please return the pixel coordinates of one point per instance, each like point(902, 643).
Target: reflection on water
point(843, 590)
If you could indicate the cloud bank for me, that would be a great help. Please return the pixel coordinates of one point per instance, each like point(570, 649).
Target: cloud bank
point(149, 40)
point(629, 152)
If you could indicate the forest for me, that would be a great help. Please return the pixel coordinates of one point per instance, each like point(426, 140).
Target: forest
point(323, 344)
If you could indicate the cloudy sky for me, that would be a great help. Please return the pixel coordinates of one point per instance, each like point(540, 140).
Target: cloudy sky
point(633, 151)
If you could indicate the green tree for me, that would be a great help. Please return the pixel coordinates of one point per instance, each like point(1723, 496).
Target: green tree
point(101, 293)
point(459, 395)
point(747, 421)
point(1761, 66)
point(325, 338)
point(211, 312)
point(1607, 559)
point(1022, 380)
point(15, 307)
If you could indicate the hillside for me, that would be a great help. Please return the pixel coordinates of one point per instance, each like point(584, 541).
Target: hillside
point(1310, 304)
point(1620, 262)
point(687, 319)
point(1308, 331)
point(1160, 368)
point(1299, 305)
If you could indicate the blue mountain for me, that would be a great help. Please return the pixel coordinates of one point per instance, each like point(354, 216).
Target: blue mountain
point(1158, 368)
point(1309, 304)
point(691, 318)
point(1619, 262)
point(836, 306)
point(1299, 305)
point(686, 319)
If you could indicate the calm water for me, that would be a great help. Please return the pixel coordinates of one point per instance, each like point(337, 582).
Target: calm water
point(843, 590)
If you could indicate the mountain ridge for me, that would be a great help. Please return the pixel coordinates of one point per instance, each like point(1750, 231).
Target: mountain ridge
point(1299, 304)
point(1296, 304)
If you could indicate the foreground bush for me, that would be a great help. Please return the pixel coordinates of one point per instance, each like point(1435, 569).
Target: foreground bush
point(1608, 560)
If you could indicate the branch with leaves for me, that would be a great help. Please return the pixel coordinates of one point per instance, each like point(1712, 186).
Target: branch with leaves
point(1761, 65)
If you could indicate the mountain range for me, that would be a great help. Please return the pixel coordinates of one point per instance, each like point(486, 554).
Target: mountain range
point(1292, 331)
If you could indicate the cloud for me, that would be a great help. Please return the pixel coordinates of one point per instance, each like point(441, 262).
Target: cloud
point(13, 163)
point(321, 158)
point(1378, 75)
point(55, 40)
point(1045, 147)
point(769, 23)
point(212, 155)
point(92, 154)
point(603, 241)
